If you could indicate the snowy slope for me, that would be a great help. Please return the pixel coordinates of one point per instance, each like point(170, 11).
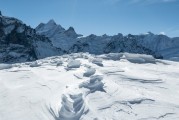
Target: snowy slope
point(118, 86)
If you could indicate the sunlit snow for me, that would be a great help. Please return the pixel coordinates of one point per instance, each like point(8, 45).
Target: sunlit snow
point(103, 87)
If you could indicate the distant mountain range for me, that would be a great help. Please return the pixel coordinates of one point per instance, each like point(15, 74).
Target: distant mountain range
point(20, 43)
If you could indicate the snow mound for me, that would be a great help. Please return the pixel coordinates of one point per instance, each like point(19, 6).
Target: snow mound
point(89, 72)
point(5, 66)
point(112, 56)
point(74, 64)
point(59, 63)
point(98, 62)
point(174, 59)
point(139, 58)
point(34, 64)
point(94, 84)
point(72, 107)
point(133, 58)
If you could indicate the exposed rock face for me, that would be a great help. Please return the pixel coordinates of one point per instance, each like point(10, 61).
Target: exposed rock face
point(19, 42)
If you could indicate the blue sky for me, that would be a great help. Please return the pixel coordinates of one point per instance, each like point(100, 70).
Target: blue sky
point(99, 16)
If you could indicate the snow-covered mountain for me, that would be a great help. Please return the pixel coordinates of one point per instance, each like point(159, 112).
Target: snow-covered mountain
point(19, 42)
point(70, 41)
point(160, 46)
point(110, 44)
point(59, 37)
point(118, 86)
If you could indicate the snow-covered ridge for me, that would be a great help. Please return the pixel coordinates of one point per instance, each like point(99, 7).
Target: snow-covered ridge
point(160, 46)
point(76, 87)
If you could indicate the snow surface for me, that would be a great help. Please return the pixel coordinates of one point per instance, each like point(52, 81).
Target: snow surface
point(74, 64)
point(89, 72)
point(119, 90)
point(5, 66)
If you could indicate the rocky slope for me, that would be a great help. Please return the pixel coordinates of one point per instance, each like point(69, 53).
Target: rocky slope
point(19, 42)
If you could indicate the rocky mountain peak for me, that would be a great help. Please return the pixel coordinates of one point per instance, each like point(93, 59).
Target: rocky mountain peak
point(71, 33)
point(49, 29)
point(51, 22)
point(71, 29)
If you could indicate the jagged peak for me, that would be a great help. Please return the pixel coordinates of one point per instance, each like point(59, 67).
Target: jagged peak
point(42, 24)
point(51, 21)
point(0, 13)
point(50, 26)
point(39, 26)
point(71, 32)
point(71, 29)
point(92, 36)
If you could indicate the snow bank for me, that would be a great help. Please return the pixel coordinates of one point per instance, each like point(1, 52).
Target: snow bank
point(89, 72)
point(59, 63)
point(72, 107)
point(134, 58)
point(174, 59)
point(74, 64)
point(34, 64)
point(98, 62)
point(139, 58)
point(112, 56)
point(5, 66)
point(94, 84)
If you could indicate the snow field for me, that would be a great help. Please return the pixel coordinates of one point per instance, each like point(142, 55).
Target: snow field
point(120, 89)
